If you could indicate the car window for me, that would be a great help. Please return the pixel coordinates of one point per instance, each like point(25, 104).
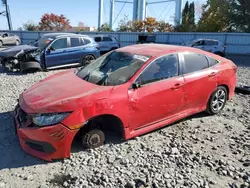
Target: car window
point(162, 68)
point(211, 43)
point(76, 42)
point(60, 43)
point(107, 39)
point(5, 35)
point(194, 62)
point(98, 39)
point(86, 41)
point(212, 61)
point(199, 43)
point(113, 68)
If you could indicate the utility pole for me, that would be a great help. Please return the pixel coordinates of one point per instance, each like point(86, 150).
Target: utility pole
point(7, 13)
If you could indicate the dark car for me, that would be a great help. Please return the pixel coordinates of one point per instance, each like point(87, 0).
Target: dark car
point(51, 51)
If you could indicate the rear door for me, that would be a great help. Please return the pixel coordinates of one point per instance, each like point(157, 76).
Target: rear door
point(59, 56)
point(77, 50)
point(210, 46)
point(200, 80)
point(12, 38)
point(107, 43)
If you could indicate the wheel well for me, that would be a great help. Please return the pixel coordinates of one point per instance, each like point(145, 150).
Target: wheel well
point(227, 88)
point(105, 122)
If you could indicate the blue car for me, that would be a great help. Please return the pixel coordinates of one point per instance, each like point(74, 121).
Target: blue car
point(52, 51)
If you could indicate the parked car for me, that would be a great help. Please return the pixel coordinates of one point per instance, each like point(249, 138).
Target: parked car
point(132, 90)
point(107, 43)
point(53, 50)
point(210, 45)
point(9, 39)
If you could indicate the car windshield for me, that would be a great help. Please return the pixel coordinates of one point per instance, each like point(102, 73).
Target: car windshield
point(113, 68)
point(190, 42)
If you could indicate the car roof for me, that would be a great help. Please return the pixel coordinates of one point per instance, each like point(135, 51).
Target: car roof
point(56, 35)
point(103, 36)
point(155, 49)
point(207, 39)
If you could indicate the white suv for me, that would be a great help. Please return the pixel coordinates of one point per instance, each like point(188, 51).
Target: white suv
point(209, 45)
point(107, 43)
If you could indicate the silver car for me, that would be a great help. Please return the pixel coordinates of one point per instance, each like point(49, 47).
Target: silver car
point(9, 39)
point(210, 45)
point(107, 43)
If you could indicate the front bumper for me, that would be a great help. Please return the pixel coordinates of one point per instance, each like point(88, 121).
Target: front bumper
point(47, 143)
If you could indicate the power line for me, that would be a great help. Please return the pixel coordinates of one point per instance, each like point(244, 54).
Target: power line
point(119, 12)
point(152, 12)
point(168, 11)
point(163, 10)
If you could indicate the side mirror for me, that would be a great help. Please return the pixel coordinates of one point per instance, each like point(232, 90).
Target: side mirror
point(136, 85)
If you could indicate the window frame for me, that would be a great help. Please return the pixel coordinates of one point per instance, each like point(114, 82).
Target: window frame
point(67, 39)
point(149, 64)
point(209, 57)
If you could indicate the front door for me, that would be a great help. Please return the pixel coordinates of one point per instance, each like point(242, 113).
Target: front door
point(57, 55)
point(160, 95)
point(200, 80)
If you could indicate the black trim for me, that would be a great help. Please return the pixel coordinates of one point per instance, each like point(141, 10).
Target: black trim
point(40, 146)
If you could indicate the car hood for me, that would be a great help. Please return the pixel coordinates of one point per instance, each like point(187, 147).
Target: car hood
point(61, 92)
point(12, 51)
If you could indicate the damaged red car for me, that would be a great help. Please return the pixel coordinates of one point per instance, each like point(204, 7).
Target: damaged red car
point(132, 91)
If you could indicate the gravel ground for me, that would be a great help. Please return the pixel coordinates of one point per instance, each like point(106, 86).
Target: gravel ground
point(200, 151)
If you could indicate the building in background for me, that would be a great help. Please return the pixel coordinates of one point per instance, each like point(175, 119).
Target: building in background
point(79, 29)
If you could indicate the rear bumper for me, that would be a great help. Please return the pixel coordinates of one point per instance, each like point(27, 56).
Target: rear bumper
point(48, 143)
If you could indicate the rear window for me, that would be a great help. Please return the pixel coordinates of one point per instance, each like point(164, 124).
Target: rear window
point(107, 39)
point(211, 43)
point(76, 42)
point(194, 62)
point(98, 39)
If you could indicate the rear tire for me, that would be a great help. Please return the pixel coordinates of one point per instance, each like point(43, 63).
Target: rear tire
point(217, 100)
point(17, 42)
point(87, 59)
point(1, 43)
point(29, 67)
point(220, 54)
point(93, 138)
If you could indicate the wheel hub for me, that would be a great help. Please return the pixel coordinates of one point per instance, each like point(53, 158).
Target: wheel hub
point(218, 100)
point(94, 139)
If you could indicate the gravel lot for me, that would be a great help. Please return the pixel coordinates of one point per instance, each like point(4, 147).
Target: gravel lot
point(200, 151)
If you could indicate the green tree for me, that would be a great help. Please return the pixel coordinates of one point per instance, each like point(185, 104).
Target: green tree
point(240, 15)
point(30, 26)
point(165, 27)
point(215, 16)
point(105, 28)
point(188, 18)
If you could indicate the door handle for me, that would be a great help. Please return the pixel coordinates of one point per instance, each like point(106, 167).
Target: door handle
point(212, 74)
point(176, 86)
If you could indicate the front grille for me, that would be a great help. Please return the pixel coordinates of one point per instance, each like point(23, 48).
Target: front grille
point(40, 146)
point(35, 146)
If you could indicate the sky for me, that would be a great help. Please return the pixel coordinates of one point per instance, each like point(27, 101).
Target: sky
point(85, 11)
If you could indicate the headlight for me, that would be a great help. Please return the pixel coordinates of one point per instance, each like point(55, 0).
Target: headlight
point(49, 119)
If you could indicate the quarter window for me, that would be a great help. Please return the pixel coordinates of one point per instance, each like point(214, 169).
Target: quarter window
point(162, 68)
point(194, 62)
point(86, 41)
point(60, 43)
point(212, 61)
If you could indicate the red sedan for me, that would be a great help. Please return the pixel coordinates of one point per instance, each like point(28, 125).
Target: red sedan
point(132, 90)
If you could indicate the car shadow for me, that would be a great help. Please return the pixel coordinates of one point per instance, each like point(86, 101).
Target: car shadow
point(14, 157)
point(240, 60)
